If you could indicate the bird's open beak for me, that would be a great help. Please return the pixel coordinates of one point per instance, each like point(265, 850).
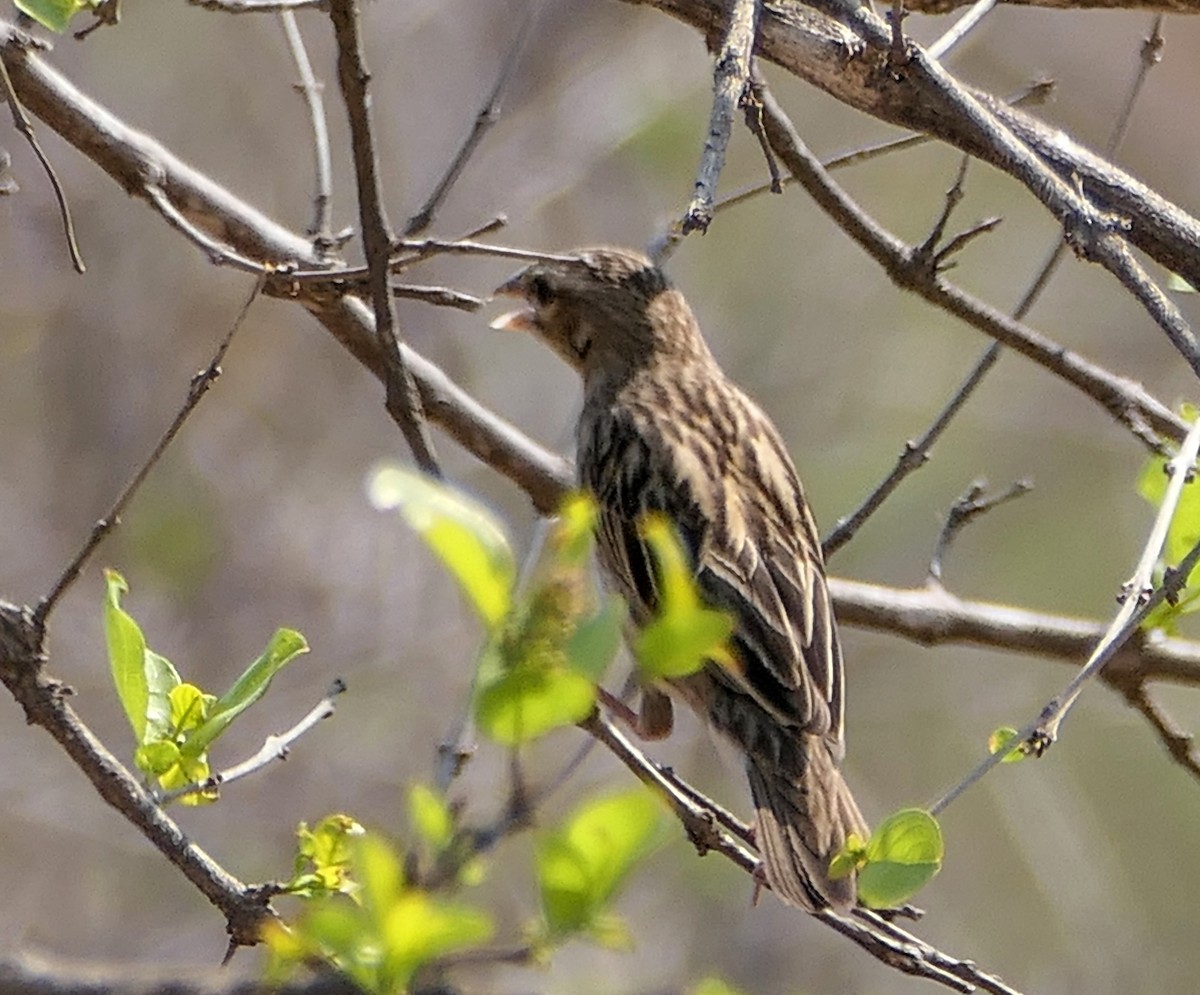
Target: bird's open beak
point(521, 319)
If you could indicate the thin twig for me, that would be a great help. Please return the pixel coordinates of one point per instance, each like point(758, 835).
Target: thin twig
point(897, 259)
point(403, 400)
point(914, 455)
point(1181, 469)
point(1033, 736)
point(1139, 600)
point(218, 252)
point(22, 123)
point(1149, 56)
point(413, 251)
point(973, 503)
point(321, 228)
point(258, 6)
point(731, 80)
point(274, 748)
point(1180, 745)
point(666, 241)
point(439, 296)
point(488, 115)
point(198, 387)
point(962, 27)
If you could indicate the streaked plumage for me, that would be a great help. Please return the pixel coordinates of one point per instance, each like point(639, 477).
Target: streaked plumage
point(663, 429)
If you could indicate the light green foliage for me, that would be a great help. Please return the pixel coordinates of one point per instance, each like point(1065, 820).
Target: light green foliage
point(323, 857)
point(713, 986)
point(466, 536)
point(582, 864)
point(685, 632)
point(380, 929)
point(546, 646)
point(900, 858)
point(54, 14)
point(430, 817)
point(174, 723)
point(1183, 534)
point(285, 646)
point(1003, 739)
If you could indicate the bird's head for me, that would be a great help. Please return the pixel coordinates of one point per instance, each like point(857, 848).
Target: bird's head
point(603, 309)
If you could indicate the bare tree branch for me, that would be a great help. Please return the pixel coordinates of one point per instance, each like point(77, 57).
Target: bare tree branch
point(1167, 6)
point(403, 398)
point(829, 55)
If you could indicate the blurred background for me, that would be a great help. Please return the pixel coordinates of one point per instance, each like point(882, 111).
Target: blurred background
point(1074, 874)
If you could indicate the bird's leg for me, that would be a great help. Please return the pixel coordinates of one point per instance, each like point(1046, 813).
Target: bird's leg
point(655, 717)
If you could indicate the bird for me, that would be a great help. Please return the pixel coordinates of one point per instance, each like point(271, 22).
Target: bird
point(663, 430)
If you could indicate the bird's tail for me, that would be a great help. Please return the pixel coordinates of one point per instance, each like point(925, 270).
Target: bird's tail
point(805, 813)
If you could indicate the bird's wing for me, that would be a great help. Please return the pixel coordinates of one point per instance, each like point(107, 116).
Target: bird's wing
point(730, 488)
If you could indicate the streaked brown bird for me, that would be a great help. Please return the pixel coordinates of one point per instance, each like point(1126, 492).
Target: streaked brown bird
point(663, 429)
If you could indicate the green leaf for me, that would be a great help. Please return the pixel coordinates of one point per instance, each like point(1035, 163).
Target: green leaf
point(1178, 283)
point(430, 816)
point(323, 857)
point(162, 679)
point(714, 986)
point(903, 854)
point(126, 654)
point(189, 709)
point(379, 872)
point(465, 536)
point(574, 532)
point(684, 634)
point(419, 928)
point(144, 680)
point(285, 646)
point(53, 14)
point(157, 757)
point(582, 864)
point(189, 770)
point(529, 700)
point(1003, 738)
point(595, 641)
point(850, 858)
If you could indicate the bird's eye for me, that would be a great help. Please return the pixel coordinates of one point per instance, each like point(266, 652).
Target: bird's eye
point(540, 289)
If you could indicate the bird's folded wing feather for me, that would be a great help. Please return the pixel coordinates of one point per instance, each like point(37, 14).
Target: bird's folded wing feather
point(735, 498)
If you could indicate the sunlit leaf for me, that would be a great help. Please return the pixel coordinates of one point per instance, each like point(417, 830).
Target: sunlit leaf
point(685, 633)
point(162, 679)
point(595, 641)
point(418, 928)
point(1179, 284)
point(324, 856)
point(903, 854)
point(285, 646)
point(574, 531)
point(430, 816)
point(529, 700)
point(714, 986)
point(465, 535)
point(1004, 739)
point(53, 14)
point(126, 654)
point(582, 864)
